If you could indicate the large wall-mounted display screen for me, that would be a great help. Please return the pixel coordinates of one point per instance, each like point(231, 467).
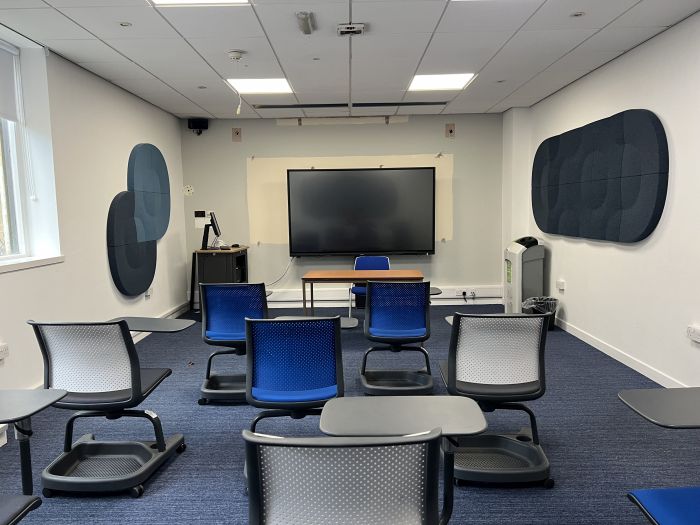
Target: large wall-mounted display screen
point(361, 211)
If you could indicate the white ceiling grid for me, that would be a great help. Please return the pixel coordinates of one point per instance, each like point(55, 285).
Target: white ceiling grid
point(177, 57)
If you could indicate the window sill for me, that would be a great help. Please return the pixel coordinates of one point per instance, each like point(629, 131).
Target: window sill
point(24, 263)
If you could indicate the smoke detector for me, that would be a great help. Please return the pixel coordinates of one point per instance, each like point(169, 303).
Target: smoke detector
point(236, 54)
point(350, 29)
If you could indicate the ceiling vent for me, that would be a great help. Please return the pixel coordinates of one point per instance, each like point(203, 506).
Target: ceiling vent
point(351, 29)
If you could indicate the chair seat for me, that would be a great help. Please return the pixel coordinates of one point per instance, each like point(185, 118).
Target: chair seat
point(397, 333)
point(670, 506)
point(150, 379)
point(14, 508)
point(359, 290)
point(505, 392)
point(316, 394)
point(225, 336)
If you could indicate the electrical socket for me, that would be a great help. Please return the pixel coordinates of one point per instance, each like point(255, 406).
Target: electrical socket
point(467, 293)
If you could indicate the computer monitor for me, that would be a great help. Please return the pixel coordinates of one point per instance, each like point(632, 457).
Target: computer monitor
point(214, 225)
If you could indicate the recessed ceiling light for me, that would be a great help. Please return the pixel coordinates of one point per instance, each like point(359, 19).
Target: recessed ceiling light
point(125, 24)
point(260, 85)
point(198, 2)
point(577, 14)
point(201, 87)
point(449, 82)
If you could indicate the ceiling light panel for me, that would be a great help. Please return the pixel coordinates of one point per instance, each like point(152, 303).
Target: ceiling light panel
point(446, 82)
point(260, 86)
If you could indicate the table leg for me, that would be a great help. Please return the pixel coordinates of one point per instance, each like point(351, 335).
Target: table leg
point(311, 284)
point(23, 430)
point(303, 295)
point(193, 275)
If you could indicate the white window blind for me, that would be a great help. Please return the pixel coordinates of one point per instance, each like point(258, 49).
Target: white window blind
point(8, 83)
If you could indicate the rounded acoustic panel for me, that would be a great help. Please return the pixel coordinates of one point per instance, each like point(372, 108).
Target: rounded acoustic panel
point(131, 262)
point(605, 181)
point(137, 218)
point(147, 177)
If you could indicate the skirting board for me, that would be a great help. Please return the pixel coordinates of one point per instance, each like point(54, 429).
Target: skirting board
point(621, 356)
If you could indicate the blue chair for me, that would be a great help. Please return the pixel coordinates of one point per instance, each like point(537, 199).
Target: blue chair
point(294, 365)
point(224, 311)
point(397, 315)
point(366, 262)
point(669, 506)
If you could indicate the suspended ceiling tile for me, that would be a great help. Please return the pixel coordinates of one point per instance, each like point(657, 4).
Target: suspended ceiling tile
point(461, 53)
point(96, 3)
point(83, 50)
point(398, 16)
point(545, 84)
point(122, 69)
point(387, 75)
point(23, 4)
point(506, 15)
point(213, 21)
point(388, 47)
point(41, 24)
point(323, 97)
point(148, 50)
point(583, 60)
point(104, 22)
point(287, 98)
point(597, 14)
point(254, 69)
point(430, 96)
point(215, 51)
point(649, 13)
point(318, 76)
point(614, 38)
point(377, 95)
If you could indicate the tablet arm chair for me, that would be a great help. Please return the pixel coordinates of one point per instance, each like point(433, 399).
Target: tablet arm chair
point(98, 365)
point(397, 316)
point(366, 262)
point(13, 509)
point(668, 506)
point(344, 481)
point(294, 366)
point(498, 360)
point(224, 310)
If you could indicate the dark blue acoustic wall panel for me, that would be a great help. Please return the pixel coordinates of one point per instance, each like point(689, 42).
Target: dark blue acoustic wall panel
point(606, 180)
point(137, 218)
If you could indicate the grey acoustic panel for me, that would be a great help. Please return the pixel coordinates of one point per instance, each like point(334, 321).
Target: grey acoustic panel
point(606, 180)
point(137, 218)
point(147, 177)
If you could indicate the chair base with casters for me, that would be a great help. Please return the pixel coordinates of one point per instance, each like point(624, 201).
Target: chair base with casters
point(229, 388)
point(669, 506)
point(396, 382)
point(107, 466)
point(502, 458)
point(15, 508)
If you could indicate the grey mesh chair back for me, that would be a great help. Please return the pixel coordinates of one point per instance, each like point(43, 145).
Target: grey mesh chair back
point(343, 481)
point(89, 357)
point(497, 356)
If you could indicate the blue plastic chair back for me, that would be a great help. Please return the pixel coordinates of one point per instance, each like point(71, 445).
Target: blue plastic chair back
point(369, 262)
point(294, 361)
point(669, 506)
point(398, 310)
point(226, 306)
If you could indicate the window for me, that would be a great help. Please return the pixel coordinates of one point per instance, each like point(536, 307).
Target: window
point(11, 225)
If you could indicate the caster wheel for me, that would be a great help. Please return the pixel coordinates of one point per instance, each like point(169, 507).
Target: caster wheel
point(47, 493)
point(136, 492)
point(548, 483)
point(181, 448)
point(202, 401)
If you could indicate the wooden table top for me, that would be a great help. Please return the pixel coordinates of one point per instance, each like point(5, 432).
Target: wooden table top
point(237, 249)
point(362, 275)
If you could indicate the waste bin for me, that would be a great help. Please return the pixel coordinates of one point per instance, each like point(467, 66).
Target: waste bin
point(542, 305)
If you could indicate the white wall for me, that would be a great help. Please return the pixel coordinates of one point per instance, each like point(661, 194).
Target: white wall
point(216, 167)
point(94, 127)
point(632, 301)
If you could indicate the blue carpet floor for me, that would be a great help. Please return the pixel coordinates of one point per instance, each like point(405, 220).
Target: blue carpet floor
point(598, 448)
